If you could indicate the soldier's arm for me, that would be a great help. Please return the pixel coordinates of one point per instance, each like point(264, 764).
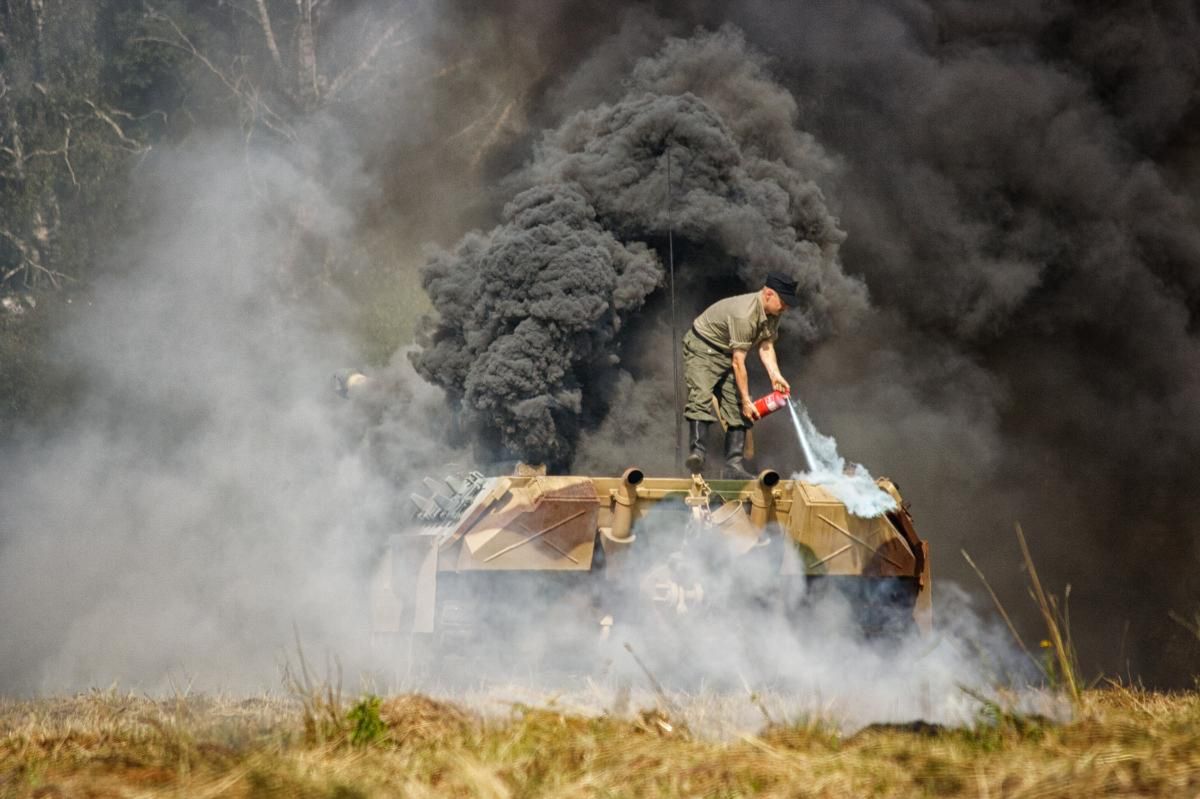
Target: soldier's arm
point(766, 353)
point(743, 384)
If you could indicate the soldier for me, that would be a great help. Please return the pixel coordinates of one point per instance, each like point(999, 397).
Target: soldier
point(714, 363)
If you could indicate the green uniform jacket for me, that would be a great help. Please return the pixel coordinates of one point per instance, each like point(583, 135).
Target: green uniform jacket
point(735, 323)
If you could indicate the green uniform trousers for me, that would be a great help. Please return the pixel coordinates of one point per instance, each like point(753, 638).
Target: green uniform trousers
point(709, 374)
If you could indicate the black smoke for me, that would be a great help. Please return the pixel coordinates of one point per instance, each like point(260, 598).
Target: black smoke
point(530, 314)
point(1018, 195)
point(1016, 188)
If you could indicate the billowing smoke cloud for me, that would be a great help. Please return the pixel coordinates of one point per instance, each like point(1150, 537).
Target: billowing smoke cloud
point(529, 314)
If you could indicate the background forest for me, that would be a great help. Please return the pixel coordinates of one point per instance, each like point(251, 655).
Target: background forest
point(91, 93)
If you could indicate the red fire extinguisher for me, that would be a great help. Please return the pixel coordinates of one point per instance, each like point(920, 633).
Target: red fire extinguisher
point(770, 403)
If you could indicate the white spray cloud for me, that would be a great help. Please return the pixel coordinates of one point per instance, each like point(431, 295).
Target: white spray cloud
point(850, 483)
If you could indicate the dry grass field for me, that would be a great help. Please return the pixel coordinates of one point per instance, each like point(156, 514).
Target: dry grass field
point(1120, 742)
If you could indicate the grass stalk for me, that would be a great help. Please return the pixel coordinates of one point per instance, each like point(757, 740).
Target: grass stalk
point(1004, 615)
point(1061, 649)
point(1191, 625)
point(321, 702)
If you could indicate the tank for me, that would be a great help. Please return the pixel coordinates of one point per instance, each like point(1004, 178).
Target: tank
point(589, 561)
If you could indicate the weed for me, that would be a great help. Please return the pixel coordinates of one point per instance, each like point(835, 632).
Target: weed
point(1058, 663)
point(366, 727)
point(1058, 623)
point(320, 702)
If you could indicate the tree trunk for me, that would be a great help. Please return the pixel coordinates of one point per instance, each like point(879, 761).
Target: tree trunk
point(306, 46)
point(47, 226)
point(12, 132)
point(37, 10)
point(264, 20)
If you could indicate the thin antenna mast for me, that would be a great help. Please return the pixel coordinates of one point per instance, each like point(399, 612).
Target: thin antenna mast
point(674, 321)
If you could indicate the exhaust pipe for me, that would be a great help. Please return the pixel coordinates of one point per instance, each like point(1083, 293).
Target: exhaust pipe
point(626, 498)
point(762, 497)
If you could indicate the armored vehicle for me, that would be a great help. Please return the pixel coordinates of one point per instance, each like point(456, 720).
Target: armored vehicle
point(586, 558)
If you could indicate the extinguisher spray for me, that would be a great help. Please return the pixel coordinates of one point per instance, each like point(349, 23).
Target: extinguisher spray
point(770, 403)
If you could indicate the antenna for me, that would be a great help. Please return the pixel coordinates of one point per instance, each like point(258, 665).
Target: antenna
point(674, 321)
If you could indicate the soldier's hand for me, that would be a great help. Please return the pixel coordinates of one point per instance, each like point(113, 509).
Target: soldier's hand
point(749, 411)
point(781, 385)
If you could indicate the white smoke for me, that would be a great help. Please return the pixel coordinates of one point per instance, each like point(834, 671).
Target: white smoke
point(740, 641)
point(204, 496)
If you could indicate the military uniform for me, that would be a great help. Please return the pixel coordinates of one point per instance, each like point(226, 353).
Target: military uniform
point(735, 323)
point(731, 325)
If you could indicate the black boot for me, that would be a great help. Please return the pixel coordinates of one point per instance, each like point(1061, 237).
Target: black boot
point(697, 434)
point(735, 451)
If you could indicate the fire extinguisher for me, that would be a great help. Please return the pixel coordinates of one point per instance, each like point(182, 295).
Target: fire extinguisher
point(770, 403)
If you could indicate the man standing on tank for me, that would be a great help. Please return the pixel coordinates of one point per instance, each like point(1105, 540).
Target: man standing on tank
point(714, 364)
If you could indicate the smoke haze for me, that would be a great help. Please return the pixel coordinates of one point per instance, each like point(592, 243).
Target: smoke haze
point(165, 526)
point(992, 213)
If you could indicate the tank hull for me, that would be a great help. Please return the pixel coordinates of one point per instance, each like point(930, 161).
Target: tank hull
point(538, 568)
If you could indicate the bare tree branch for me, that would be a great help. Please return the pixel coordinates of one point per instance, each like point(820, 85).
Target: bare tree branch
point(64, 151)
point(493, 134)
point(352, 72)
point(56, 278)
point(306, 50)
point(106, 116)
point(252, 100)
point(474, 123)
point(23, 249)
point(66, 155)
point(29, 264)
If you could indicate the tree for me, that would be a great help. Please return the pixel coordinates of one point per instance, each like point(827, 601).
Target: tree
point(279, 61)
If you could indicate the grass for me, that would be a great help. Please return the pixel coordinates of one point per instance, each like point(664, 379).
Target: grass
point(1122, 742)
point(1059, 664)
